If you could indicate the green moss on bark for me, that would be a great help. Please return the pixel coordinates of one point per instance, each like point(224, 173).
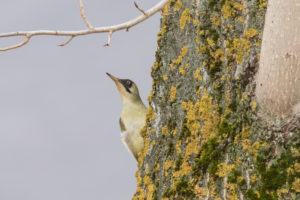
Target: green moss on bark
point(202, 94)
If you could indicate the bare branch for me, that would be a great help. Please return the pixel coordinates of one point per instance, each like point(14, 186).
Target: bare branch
point(17, 45)
point(135, 4)
point(67, 42)
point(82, 13)
point(113, 28)
point(108, 39)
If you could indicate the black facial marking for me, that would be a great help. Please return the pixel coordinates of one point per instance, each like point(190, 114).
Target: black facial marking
point(126, 83)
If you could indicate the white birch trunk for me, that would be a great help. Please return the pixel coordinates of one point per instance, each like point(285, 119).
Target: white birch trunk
point(278, 80)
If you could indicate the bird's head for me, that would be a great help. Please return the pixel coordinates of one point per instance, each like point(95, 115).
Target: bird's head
point(127, 89)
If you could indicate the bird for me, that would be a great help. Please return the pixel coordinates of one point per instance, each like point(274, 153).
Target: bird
point(133, 115)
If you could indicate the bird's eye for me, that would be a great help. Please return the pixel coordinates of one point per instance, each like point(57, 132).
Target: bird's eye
point(129, 83)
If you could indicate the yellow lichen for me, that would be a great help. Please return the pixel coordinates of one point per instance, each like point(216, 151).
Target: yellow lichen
point(155, 65)
point(168, 164)
point(197, 75)
point(210, 42)
point(151, 131)
point(173, 92)
point(217, 54)
point(165, 77)
point(253, 105)
point(215, 84)
point(238, 161)
point(153, 142)
point(150, 96)
point(296, 185)
point(244, 96)
point(262, 4)
point(173, 132)
point(297, 167)
point(162, 31)
point(238, 6)
point(157, 166)
point(198, 50)
point(172, 66)
point(150, 115)
point(290, 171)
point(203, 48)
point(224, 169)
point(295, 152)
point(253, 178)
point(232, 195)
point(184, 105)
point(282, 191)
point(184, 170)
point(249, 33)
point(178, 60)
point(198, 92)
point(226, 10)
point(212, 188)
point(178, 147)
point(241, 19)
point(184, 50)
point(166, 9)
point(150, 191)
point(182, 70)
point(200, 191)
point(202, 117)
point(216, 20)
point(239, 48)
point(252, 149)
point(143, 153)
point(257, 193)
point(177, 6)
point(192, 146)
point(147, 179)
point(164, 130)
point(185, 16)
point(138, 178)
point(204, 110)
point(240, 179)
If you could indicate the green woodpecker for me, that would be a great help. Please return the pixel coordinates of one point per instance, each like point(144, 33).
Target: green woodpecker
point(133, 115)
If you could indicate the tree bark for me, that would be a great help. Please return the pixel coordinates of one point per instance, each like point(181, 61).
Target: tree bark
point(205, 136)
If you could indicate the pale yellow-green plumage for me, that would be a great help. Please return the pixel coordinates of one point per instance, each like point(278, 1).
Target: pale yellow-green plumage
point(133, 115)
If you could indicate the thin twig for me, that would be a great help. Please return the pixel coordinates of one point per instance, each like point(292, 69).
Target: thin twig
point(141, 10)
point(114, 28)
point(67, 42)
point(82, 13)
point(108, 39)
point(28, 36)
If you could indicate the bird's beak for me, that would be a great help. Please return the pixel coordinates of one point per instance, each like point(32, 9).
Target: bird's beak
point(115, 79)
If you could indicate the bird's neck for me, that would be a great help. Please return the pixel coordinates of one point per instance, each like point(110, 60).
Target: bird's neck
point(130, 105)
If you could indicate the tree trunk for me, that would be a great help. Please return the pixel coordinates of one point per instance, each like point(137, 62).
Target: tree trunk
point(205, 136)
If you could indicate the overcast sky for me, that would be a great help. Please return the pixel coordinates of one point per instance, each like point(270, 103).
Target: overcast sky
point(59, 112)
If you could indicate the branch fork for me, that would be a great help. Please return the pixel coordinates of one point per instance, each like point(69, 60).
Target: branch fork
point(90, 28)
point(141, 10)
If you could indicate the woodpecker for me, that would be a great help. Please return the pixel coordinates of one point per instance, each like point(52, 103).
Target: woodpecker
point(133, 115)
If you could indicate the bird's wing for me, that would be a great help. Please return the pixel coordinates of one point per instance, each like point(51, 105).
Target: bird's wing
point(122, 125)
point(125, 139)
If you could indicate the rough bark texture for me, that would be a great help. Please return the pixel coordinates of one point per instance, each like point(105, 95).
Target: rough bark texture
point(204, 136)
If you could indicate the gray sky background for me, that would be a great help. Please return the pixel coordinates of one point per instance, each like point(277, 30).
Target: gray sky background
point(59, 112)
